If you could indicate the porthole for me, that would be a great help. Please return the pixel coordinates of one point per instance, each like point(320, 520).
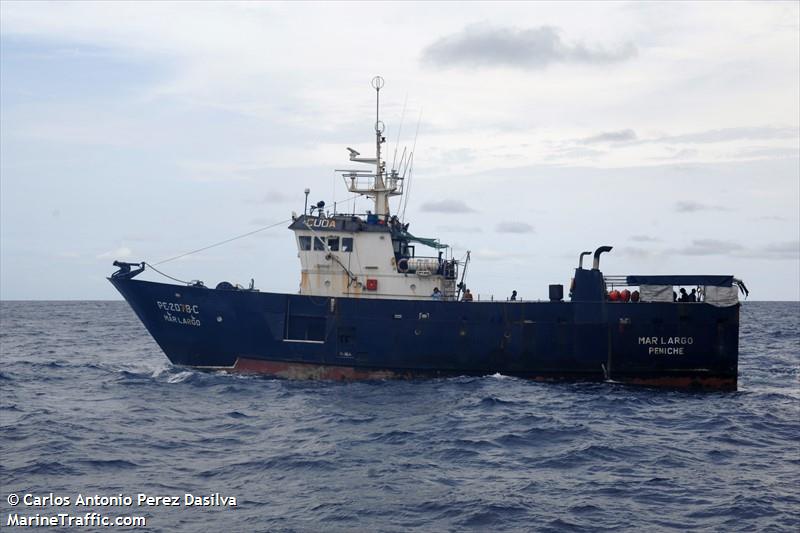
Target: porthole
point(417, 331)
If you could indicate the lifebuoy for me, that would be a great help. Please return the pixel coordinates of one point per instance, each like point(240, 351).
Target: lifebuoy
point(402, 265)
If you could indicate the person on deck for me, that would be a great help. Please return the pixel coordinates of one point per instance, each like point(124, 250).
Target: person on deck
point(467, 296)
point(693, 296)
point(684, 297)
point(437, 295)
point(513, 296)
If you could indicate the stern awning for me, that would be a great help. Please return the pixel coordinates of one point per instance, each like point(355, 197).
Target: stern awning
point(432, 243)
point(715, 281)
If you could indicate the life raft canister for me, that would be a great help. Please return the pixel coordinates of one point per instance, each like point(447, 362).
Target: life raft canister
point(625, 295)
point(614, 295)
point(635, 296)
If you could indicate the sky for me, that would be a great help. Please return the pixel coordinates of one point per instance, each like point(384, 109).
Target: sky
point(138, 131)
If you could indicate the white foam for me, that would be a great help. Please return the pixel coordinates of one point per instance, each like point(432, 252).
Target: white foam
point(180, 377)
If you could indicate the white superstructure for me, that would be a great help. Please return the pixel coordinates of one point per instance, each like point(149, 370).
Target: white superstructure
point(370, 255)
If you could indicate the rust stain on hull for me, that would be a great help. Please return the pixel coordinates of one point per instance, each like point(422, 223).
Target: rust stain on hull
point(313, 371)
point(288, 370)
point(715, 383)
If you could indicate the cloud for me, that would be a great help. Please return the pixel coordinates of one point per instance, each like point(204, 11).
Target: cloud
point(686, 153)
point(139, 237)
point(768, 152)
point(274, 197)
point(260, 221)
point(577, 152)
point(489, 254)
point(644, 238)
point(688, 206)
point(458, 155)
point(775, 250)
point(704, 137)
point(447, 206)
point(122, 252)
point(610, 136)
point(530, 49)
point(676, 145)
point(779, 250)
point(730, 134)
point(460, 229)
point(636, 252)
point(514, 227)
point(711, 247)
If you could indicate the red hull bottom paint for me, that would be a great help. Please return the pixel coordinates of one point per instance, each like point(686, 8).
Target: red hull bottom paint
point(686, 382)
point(287, 370)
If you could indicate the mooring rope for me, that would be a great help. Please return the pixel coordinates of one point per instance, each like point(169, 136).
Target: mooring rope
point(167, 275)
point(220, 243)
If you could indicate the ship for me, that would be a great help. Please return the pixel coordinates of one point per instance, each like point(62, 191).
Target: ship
point(377, 302)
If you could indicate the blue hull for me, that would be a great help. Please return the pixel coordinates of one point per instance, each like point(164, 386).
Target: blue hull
point(692, 345)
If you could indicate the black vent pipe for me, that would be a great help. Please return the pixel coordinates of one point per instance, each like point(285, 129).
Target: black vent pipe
point(580, 259)
point(596, 263)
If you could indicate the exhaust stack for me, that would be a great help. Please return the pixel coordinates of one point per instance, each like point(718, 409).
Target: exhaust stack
point(580, 259)
point(596, 263)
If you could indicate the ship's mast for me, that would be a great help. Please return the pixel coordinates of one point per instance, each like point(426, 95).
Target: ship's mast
point(380, 185)
point(381, 194)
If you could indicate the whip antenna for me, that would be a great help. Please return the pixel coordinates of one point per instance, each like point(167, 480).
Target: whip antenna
point(410, 164)
point(399, 131)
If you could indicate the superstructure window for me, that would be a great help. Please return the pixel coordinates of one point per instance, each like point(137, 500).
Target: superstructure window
point(347, 244)
point(318, 244)
point(305, 243)
point(333, 244)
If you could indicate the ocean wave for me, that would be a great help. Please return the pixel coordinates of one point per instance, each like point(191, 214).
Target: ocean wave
point(103, 410)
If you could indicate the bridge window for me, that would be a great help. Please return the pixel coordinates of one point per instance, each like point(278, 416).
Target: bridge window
point(318, 244)
point(305, 243)
point(347, 244)
point(333, 244)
